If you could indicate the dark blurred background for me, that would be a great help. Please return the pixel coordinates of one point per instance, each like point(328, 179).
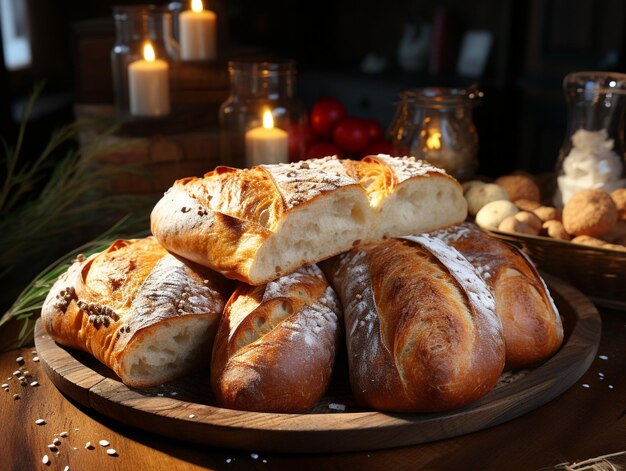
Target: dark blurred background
point(521, 121)
point(362, 52)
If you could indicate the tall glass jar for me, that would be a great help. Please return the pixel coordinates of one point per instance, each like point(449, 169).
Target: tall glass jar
point(592, 153)
point(262, 120)
point(134, 25)
point(435, 124)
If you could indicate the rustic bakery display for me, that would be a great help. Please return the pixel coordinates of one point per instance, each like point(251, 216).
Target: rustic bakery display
point(258, 277)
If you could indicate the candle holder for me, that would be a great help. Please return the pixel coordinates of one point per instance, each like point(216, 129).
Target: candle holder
point(435, 124)
point(262, 120)
point(135, 26)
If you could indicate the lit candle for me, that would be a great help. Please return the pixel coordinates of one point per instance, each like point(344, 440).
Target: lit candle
point(266, 144)
point(197, 33)
point(148, 85)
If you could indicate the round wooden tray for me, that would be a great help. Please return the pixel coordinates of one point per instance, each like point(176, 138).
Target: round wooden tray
point(184, 409)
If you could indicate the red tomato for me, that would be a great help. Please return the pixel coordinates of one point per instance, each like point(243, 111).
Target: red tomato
point(322, 149)
point(378, 146)
point(301, 137)
point(350, 135)
point(374, 129)
point(325, 114)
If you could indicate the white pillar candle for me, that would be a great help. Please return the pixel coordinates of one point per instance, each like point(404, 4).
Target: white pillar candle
point(148, 85)
point(197, 29)
point(266, 144)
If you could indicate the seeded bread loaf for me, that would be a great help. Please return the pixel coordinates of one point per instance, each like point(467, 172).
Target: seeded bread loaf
point(421, 331)
point(148, 315)
point(531, 323)
point(258, 224)
point(275, 347)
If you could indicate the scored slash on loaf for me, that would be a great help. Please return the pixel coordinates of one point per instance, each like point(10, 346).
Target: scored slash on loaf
point(421, 331)
point(258, 224)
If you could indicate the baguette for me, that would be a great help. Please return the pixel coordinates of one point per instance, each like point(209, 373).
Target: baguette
point(421, 331)
point(530, 321)
point(258, 224)
point(144, 313)
point(275, 347)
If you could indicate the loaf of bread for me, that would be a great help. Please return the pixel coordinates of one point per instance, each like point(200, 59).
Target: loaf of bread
point(258, 224)
point(421, 331)
point(143, 312)
point(275, 347)
point(530, 321)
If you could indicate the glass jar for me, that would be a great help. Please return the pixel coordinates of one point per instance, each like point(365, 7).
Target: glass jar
point(435, 124)
point(262, 121)
point(134, 25)
point(592, 153)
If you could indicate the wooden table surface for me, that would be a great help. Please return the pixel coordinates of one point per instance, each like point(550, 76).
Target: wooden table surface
point(586, 421)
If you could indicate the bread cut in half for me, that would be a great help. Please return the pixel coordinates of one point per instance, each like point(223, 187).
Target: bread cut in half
point(275, 347)
point(148, 315)
point(409, 196)
point(258, 224)
point(421, 331)
point(531, 323)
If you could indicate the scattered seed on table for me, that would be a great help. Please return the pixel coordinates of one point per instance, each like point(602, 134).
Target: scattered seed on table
point(603, 357)
point(52, 447)
point(40, 422)
point(585, 385)
point(26, 373)
point(20, 359)
point(89, 446)
point(111, 452)
point(17, 373)
point(174, 393)
point(56, 442)
point(34, 383)
point(35, 359)
point(254, 456)
point(63, 434)
point(23, 382)
point(264, 461)
point(192, 416)
point(160, 394)
point(45, 459)
point(610, 386)
point(103, 443)
point(5, 385)
point(228, 460)
point(67, 468)
point(17, 397)
point(76, 429)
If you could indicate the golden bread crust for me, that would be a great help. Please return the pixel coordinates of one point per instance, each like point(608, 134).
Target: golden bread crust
point(108, 302)
point(276, 344)
point(531, 323)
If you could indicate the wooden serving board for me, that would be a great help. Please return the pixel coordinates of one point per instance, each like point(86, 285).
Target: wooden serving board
point(186, 410)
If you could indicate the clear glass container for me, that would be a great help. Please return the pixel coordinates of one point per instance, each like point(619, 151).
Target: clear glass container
point(134, 25)
point(435, 124)
point(592, 153)
point(262, 120)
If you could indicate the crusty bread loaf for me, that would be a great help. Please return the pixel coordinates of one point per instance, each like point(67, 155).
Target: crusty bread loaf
point(530, 321)
point(421, 331)
point(143, 312)
point(259, 224)
point(275, 347)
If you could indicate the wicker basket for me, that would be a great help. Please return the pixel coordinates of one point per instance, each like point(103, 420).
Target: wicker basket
point(598, 272)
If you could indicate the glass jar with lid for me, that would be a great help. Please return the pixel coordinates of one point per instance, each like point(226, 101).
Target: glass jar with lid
point(134, 26)
point(262, 120)
point(435, 124)
point(592, 153)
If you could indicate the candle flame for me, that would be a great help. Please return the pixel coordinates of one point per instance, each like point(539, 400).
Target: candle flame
point(434, 141)
point(268, 120)
point(148, 52)
point(196, 5)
